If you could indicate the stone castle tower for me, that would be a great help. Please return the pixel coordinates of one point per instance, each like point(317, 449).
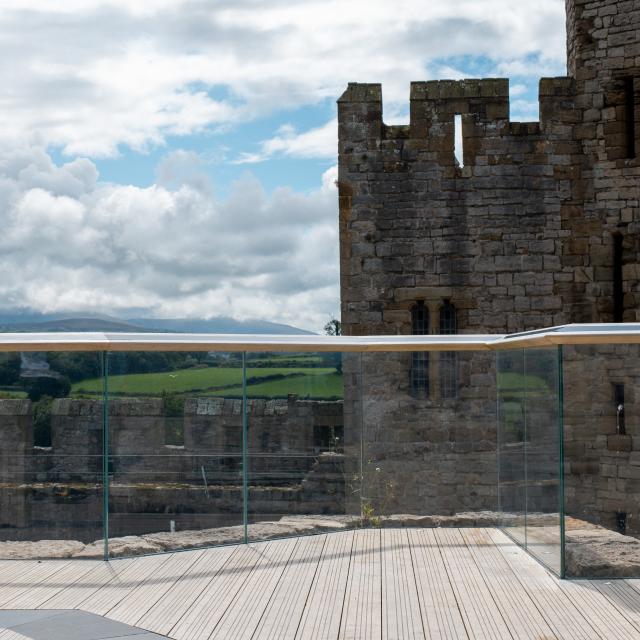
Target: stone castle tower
point(538, 227)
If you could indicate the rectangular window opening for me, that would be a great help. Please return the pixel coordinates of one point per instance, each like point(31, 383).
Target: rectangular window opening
point(618, 294)
point(630, 117)
point(618, 397)
point(458, 141)
point(420, 359)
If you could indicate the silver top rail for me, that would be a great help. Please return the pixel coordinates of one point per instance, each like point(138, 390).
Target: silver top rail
point(623, 333)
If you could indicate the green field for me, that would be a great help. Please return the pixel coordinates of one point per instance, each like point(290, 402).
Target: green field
point(12, 395)
point(514, 384)
point(322, 386)
point(223, 381)
point(275, 358)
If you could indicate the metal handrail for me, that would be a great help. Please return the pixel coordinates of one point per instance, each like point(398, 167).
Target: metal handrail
point(573, 334)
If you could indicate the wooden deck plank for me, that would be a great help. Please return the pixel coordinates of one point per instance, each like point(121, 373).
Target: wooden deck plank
point(362, 612)
point(624, 598)
point(482, 618)
point(560, 613)
point(128, 576)
point(392, 583)
point(283, 614)
point(240, 620)
point(438, 605)
point(401, 617)
point(518, 610)
point(137, 602)
point(24, 582)
point(323, 609)
point(201, 618)
point(37, 595)
point(599, 611)
point(10, 634)
point(13, 572)
point(12, 569)
point(168, 610)
point(84, 586)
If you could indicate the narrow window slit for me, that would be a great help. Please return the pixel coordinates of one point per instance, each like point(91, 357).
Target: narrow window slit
point(420, 359)
point(618, 392)
point(448, 359)
point(458, 148)
point(618, 294)
point(630, 117)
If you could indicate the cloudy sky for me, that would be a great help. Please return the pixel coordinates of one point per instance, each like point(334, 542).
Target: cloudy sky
point(177, 158)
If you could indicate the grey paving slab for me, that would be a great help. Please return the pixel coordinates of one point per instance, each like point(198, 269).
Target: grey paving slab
point(69, 625)
point(145, 635)
point(12, 618)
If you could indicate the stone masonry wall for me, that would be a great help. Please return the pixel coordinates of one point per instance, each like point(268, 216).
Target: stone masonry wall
point(602, 481)
point(56, 492)
point(520, 237)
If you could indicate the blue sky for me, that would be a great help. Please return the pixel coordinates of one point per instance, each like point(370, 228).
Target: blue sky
point(178, 157)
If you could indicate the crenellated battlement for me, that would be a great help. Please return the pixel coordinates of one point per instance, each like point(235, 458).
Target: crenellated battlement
point(488, 134)
point(513, 222)
point(482, 103)
point(537, 224)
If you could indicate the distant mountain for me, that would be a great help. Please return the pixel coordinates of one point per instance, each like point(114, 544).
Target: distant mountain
point(33, 322)
point(69, 324)
point(216, 325)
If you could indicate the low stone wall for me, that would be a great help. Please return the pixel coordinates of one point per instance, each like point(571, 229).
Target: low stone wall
point(602, 467)
point(56, 492)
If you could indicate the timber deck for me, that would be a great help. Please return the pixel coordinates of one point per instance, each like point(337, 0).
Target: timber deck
point(366, 584)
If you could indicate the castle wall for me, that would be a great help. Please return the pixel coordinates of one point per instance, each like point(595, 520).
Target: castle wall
point(486, 236)
point(56, 492)
point(602, 479)
point(414, 226)
point(603, 56)
point(521, 236)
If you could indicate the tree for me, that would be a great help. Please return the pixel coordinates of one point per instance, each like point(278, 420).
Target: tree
point(58, 387)
point(9, 369)
point(333, 327)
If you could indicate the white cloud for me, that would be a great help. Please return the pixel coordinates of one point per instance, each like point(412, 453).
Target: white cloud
point(70, 243)
point(320, 142)
point(533, 67)
point(447, 72)
point(517, 89)
point(90, 76)
point(524, 111)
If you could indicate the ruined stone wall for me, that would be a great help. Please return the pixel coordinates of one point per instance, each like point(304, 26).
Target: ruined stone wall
point(414, 226)
point(520, 237)
point(486, 236)
point(428, 457)
point(602, 479)
point(604, 57)
point(57, 491)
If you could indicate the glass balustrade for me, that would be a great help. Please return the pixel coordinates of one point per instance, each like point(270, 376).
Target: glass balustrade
point(116, 445)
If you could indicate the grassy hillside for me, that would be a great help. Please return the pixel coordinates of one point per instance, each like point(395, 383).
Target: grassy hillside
point(222, 381)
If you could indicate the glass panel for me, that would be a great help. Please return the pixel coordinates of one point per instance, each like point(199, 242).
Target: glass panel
point(303, 443)
point(175, 442)
point(429, 461)
point(50, 456)
point(528, 460)
point(602, 462)
point(542, 456)
point(511, 443)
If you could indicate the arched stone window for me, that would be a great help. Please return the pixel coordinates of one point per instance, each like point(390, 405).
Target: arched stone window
point(448, 320)
point(420, 359)
point(448, 368)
